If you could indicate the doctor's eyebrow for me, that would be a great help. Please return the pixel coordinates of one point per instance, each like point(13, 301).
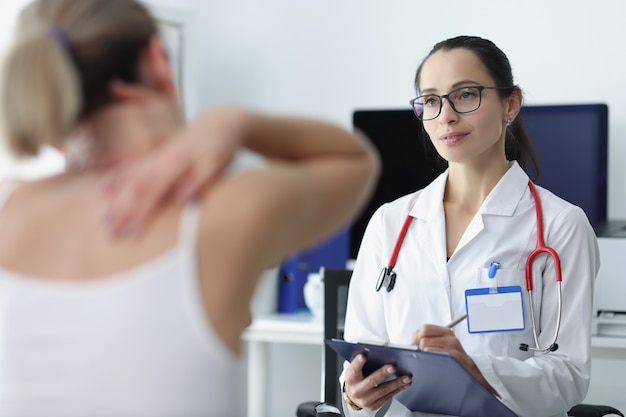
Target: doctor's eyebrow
point(454, 86)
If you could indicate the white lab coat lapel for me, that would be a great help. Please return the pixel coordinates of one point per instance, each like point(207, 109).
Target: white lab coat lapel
point(428, 210)
point(475, 227)
point(502, 201)
point(430, 225)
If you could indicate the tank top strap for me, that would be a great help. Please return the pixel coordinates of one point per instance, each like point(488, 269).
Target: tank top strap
point(6, 190)
point(188, 228)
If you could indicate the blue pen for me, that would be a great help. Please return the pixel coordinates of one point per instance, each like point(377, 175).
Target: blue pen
point(493, 268)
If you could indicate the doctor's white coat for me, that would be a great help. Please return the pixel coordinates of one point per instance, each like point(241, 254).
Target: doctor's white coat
point(431, 289)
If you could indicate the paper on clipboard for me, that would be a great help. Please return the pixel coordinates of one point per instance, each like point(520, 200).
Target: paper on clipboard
point(440, 384)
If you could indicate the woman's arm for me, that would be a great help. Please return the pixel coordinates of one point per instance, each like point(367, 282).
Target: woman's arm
point(317, 177)
point(197, 155)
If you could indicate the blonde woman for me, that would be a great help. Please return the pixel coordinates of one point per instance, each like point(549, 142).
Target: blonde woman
point(119, 295)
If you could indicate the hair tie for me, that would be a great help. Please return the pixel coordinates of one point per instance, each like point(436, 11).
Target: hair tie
point(60, 36)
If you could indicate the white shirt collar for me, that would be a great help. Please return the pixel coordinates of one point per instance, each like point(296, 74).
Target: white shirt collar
point(502, 200)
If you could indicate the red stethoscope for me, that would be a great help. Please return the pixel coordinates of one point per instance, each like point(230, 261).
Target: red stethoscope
point(387, 278)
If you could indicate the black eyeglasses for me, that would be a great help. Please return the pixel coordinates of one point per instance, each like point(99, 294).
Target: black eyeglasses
point(462, 100)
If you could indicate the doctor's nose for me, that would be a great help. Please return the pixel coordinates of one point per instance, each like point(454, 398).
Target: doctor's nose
point(447, 114)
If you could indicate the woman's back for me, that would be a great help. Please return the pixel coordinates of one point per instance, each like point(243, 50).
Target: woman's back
point(53, 228)
point(86, 328)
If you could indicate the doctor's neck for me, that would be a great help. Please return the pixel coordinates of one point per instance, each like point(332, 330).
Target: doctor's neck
point(469, 184)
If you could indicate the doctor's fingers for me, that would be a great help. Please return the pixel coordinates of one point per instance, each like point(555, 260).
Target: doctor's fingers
point(374, 390)
point(354, 373)
point(376, 397)
point(445, 341)
point(431, 330)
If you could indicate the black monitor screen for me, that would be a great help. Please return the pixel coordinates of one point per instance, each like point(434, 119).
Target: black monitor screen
point(409, 161)
point(570, 142)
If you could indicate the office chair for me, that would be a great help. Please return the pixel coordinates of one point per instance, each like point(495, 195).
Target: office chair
point(590, 410)
point(336, 283)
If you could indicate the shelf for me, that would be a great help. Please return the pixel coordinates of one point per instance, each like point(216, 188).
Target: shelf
point(286, 328)
point(608, 342)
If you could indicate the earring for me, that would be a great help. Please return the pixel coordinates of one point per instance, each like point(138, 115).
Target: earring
point(509, 122)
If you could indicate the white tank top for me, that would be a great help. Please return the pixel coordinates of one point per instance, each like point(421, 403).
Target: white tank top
point(134, 344)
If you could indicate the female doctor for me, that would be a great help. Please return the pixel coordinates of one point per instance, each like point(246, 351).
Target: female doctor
point(473, 229)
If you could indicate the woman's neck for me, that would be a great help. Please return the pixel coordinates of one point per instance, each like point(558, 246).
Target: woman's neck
point(121, 132)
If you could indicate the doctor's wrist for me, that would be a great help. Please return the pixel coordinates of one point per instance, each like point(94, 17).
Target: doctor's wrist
point(348, 400)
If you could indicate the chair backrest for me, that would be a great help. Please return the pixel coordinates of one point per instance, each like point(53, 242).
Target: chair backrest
point(336, 283)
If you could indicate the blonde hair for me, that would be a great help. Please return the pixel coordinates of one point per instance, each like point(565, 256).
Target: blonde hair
point(65, 54)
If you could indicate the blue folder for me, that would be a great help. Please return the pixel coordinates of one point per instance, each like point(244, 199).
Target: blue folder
point(294, 271)
point(440, 384)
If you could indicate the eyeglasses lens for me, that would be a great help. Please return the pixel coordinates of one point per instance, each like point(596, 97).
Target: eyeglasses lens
point(462, 100)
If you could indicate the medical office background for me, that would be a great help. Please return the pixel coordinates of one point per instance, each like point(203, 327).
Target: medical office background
point(327, 58)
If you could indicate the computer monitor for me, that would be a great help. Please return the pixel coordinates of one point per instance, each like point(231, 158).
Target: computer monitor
point(409, 161)
point(571, 143)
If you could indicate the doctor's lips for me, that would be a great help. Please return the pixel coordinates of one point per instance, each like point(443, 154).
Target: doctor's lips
point(452, 137)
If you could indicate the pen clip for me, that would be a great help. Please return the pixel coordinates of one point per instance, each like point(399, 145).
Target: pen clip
point(493, 268)
point(491, 274)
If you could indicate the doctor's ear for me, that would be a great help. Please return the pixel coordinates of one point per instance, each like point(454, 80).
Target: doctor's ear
point(154, 67)
point(513, 104)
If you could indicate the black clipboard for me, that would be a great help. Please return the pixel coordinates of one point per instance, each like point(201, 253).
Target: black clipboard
point(440, 384)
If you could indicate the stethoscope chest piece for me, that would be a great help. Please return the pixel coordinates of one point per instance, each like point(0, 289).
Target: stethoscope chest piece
point(386, 279)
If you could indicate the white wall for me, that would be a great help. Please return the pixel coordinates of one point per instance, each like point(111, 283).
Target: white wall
point(329, 57)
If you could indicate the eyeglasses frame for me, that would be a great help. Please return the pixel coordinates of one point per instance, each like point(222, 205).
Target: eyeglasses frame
point(480, 89)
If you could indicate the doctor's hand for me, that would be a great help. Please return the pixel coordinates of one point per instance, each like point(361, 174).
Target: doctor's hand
point(373, 391)
point(442, 339)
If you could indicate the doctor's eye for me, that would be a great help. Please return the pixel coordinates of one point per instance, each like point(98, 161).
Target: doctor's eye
point(466, 93)
point(430, 101)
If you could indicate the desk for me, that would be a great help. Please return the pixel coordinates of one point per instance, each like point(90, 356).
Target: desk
point(274, 328)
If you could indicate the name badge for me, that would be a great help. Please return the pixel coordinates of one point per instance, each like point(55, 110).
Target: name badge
point(494, 309)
